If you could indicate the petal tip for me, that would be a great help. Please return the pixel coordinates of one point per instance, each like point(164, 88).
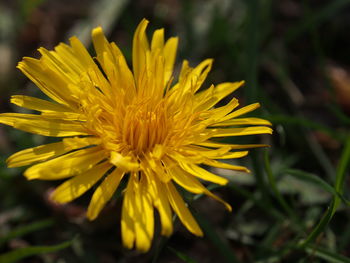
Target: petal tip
point(97, 31)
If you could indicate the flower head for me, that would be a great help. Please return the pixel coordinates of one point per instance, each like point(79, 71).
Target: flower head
point(140, 126)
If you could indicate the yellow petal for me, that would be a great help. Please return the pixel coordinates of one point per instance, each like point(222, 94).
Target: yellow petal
point(157, 40)
point(139, 48)
point(182, 211)
point(223, 89)
point(226, 165)
point(232, 155)
point(103, 47)
point(241, 131)
point(209, 153)
point(45, 152)
point(184, 179)
point(124, 162)
point(67, 165)
point(137, 214)
point(104, 193)
point(66, 116)
point(191, 184)
point(46, 80)
point(78, 185)
point(203, 174)
point(213, 144)
point(220, 153)
point(170, 50)
point(194, 80)
point(81, 54)
point(144, 226)
point(215, 94)
point(66, 65)
point(128, 217)
point(157, 168)
point(120, 77)
point(47, 108)
point(43, 125)
point(63, 62)
point(241, 111)
point(185, 70)
point(220, 113)
point(103, 50)
point(242, 121)
point(114, 65)
point(37, 104)
point(99, 40)
point(160, 201)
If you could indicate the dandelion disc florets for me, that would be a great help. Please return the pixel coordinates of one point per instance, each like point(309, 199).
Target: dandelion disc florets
point(141, 125)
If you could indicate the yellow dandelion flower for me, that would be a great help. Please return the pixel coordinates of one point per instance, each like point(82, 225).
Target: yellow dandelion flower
point(139, 126)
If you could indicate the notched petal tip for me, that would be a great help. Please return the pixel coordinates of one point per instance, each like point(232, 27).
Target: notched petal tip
point(268, 130)
point(25, 61)
point(53, 197)
point(267, 123)
point(11, 162)
point(97, 30)
point(144, 21)
point(73, 39)
point(199, 233)
point(141, 28)
point(30, 176)
point(143, 247)
point(90, 216)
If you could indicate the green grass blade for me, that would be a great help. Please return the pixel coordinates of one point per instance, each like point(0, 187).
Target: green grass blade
point(314, 179)
point(342, 167)
point(341, 172)
point(23, 230)
point(311, 178)
point(21, 253)
point(181, 255)
point(326, 218)
point(326, 255)
point(274, 188)
point(339, 184)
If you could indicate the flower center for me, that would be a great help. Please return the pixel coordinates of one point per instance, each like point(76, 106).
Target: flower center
point(144, 127)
